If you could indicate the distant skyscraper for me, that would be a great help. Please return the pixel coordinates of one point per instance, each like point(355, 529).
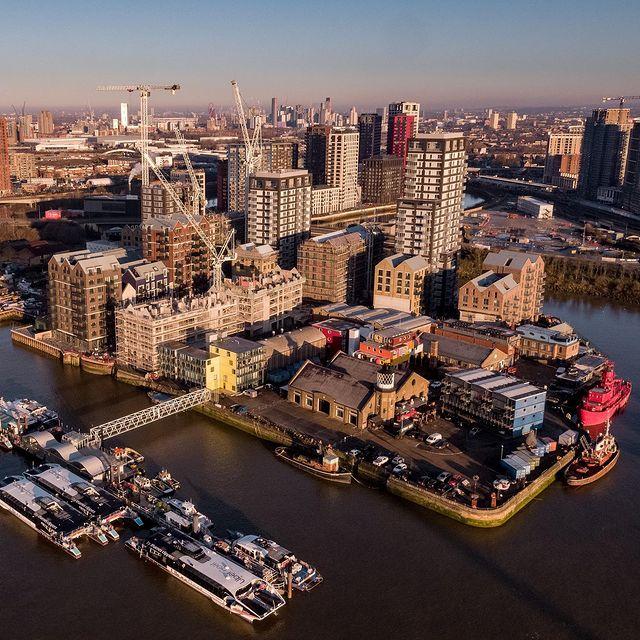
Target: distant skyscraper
point(124, 115)
point(604, 152)
point(370, 128)
point(353, 117)
point(407, 109)
point(512, 120)
point(274, 112)
point(562, 164)
point(25, 127)
point(45, 124)
point(332, 158)
point(494, 119)
point(631, 188)
point(428, 218)
point(399, 131)
point(5, 172)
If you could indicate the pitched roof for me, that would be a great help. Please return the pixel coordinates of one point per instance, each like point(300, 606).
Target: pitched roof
point(338, 385)
point(506, 258)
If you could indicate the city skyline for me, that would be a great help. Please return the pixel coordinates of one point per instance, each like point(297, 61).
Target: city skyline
point(543, 54)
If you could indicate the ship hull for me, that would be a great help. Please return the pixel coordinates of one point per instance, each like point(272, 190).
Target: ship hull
point(244, 615)
point(72, 550)
point(341, 477)
point(573, 480)
point(591, 420)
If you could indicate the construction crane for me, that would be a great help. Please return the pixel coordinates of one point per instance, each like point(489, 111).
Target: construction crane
point(145, 91)
point(620, 99)
point(252, 144)
point(219, 255)
point(199, 197)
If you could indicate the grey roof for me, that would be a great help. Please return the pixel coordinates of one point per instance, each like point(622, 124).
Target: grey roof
point(236, 344)
point(506, 258)
point(489, 279)
point(297, 338)
point(412, 262)
point(338, 385)
point(459, 350)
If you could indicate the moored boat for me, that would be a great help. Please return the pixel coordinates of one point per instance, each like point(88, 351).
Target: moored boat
point(603, 401)
point(224, 582)
point(327, 467)
point(595, 461)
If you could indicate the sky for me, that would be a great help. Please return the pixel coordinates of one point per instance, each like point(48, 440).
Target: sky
point(444, 54)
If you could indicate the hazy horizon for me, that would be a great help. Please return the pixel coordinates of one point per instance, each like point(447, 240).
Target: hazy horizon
point(364, 53)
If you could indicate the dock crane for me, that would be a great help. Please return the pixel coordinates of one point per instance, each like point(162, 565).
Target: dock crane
point(620, 99)
point(253, 143)
point(145, 91)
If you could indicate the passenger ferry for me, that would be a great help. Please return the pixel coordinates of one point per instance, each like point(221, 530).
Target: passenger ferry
point(224, 582)
point(272, 560)
point(50, 517)
point(183, 515)
point(94, 502)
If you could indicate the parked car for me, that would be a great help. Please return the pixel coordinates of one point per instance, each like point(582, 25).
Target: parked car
point(355, 453)
point(399, 468)
point(474, 432)
point(441, 444)
point(443, 477)
point(398, 460)
point(380, 461)
point(455, 480)
point(433, 438)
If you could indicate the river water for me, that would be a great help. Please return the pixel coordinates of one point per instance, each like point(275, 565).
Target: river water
point(564, 568)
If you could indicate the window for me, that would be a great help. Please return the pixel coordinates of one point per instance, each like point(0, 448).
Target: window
point(309, 401)
point(296, 397)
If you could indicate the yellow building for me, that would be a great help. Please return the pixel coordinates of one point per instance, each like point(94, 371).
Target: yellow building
point(400, 283)
point(240, 364)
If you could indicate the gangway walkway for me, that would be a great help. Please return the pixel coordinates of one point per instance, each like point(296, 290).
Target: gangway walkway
point(145, 416)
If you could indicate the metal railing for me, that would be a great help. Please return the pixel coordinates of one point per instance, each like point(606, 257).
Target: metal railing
point(145, 416)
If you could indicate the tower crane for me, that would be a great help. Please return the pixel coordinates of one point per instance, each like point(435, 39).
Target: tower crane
point(620, 99)
point(219, 255)
point(199, 197)
point(145, 91)
point(252, 144)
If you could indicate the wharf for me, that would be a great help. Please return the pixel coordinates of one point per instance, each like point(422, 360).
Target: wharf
point(278, 422)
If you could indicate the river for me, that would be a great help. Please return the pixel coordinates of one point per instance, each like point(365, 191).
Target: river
point(564, 568)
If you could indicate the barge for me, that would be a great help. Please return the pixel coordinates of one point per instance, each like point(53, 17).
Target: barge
point(54, 520)
point(224, 582)
point(327, 469)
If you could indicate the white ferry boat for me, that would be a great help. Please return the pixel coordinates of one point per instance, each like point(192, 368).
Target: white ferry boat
point(224, 582)
point(94, 502)
point(259, 552)
point(50, 517)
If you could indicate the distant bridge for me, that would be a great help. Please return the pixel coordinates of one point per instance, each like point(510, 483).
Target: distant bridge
point(145, 416)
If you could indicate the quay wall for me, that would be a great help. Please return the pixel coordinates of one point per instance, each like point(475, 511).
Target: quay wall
point(479, 517)
point(34, 341)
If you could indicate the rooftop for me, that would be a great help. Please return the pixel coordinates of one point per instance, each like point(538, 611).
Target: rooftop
point(236, 344)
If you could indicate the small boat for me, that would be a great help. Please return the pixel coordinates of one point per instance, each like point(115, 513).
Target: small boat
point(595, 461)
point(327, 468)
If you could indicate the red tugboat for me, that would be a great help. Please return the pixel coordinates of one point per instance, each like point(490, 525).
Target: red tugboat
point(603, 402)
point(596, 460)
